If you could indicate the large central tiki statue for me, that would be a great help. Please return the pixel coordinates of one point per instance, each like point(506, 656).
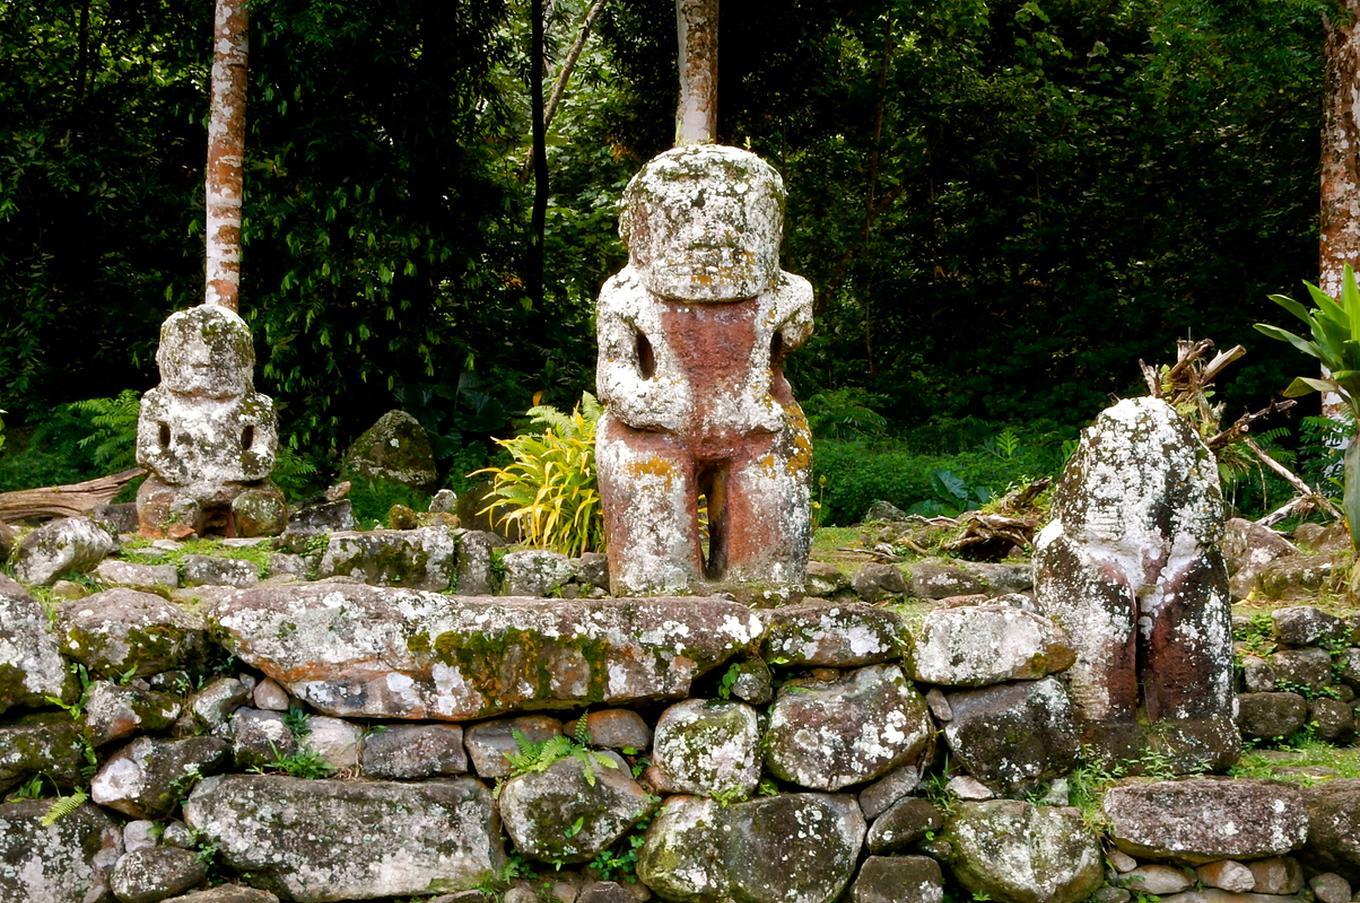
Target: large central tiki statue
point(1131, 567)
point(693, 334)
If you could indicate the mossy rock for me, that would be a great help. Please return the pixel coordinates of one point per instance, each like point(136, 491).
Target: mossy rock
point(396, 448)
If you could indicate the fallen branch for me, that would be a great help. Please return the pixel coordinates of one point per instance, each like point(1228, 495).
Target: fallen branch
point(70, 500)
point(1284, 473)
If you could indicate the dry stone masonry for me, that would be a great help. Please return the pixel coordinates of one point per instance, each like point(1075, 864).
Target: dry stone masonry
point(208, 438)
point(693, 334)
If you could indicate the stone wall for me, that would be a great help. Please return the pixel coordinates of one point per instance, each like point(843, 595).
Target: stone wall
point(331, 739)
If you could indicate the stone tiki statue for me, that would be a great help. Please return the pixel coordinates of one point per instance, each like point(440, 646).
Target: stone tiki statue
point(1131, 567)
point(206, 435)
point(693, 334)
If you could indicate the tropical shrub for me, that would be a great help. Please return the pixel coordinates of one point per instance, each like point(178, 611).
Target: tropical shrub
point(1334, 324)
point(548, 492)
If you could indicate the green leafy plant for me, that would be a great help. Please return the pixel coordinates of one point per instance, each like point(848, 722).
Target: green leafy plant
point(64, 807)
point(953, 496)
point(305, 762)
point(548, 493)
point(112, 440)
point(847, 413)
point(1334, 324)
point(537, 756)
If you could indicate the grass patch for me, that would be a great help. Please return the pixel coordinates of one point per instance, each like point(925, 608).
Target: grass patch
point(140, 551)
point(1307, 764)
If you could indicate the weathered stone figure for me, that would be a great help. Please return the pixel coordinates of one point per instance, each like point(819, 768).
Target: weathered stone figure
point(693, 333)
point(206, 435)
point(1130, 566)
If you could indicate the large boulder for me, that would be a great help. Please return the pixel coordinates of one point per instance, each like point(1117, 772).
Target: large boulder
point(1301, 578)
point(1306, 625)
point(708, 748)
point(1334, 827)
point(114, 711)
point(329, 840)
point(1248, 549)
point(898, 879)
point(31, 666)
point(1198, 820)
point(834, 636)
point(148, 777)
point(791, 848)
point(423, 558)
point(536, 572)
point(64, 862)
point(151, 874)
point(123, 630)
point(402, 654)
point(578, 806)
point(68, 545)
point(414, 751)
point(830, 734)
point(1012, 736)
point(396, 448)
point(1021, 853)
point(976, 645)
point(42, 744)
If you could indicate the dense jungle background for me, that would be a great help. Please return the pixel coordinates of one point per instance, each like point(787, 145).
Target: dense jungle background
point(1002, 207)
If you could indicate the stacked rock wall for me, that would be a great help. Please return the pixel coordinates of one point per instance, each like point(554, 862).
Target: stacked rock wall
point(333, 740)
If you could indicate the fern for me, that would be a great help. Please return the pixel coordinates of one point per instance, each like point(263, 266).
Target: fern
point(64, 807)
point(113, 429)
point(582, 730)
point(537, 756)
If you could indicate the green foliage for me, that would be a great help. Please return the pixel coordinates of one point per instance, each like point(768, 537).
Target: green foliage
point(297, 721)
point(548, 493)
point(1334, 324)
point(620, 862)
point(63, 807)
point(846, 413)
point(304, 762)
point(113, 429)
point(537, 756)
point(372, 498)
point(929, 482)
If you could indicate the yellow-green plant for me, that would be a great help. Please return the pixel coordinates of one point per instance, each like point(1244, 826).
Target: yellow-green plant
point(549, 492)
point(1335, 327)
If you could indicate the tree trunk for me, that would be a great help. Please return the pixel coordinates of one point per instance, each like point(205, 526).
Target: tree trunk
point(540, 211)
point(696, 116)
point(1339, 227)
point(70, 500)
point(226, 154)
point(564, 75)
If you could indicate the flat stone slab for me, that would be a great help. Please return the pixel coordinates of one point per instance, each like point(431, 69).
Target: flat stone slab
point(351, 840)
point(1202, 819)
point(355, 650)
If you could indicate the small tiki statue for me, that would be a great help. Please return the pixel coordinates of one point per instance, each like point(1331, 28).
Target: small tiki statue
point(206, 435)
point(1131, 567)
point(703, 454)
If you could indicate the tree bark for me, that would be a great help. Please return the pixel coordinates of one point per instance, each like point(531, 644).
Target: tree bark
point(696, 115)
point(534, 282)
point(1339, 226)
point(564, 75)
point(70, 500)
point(226, 154)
